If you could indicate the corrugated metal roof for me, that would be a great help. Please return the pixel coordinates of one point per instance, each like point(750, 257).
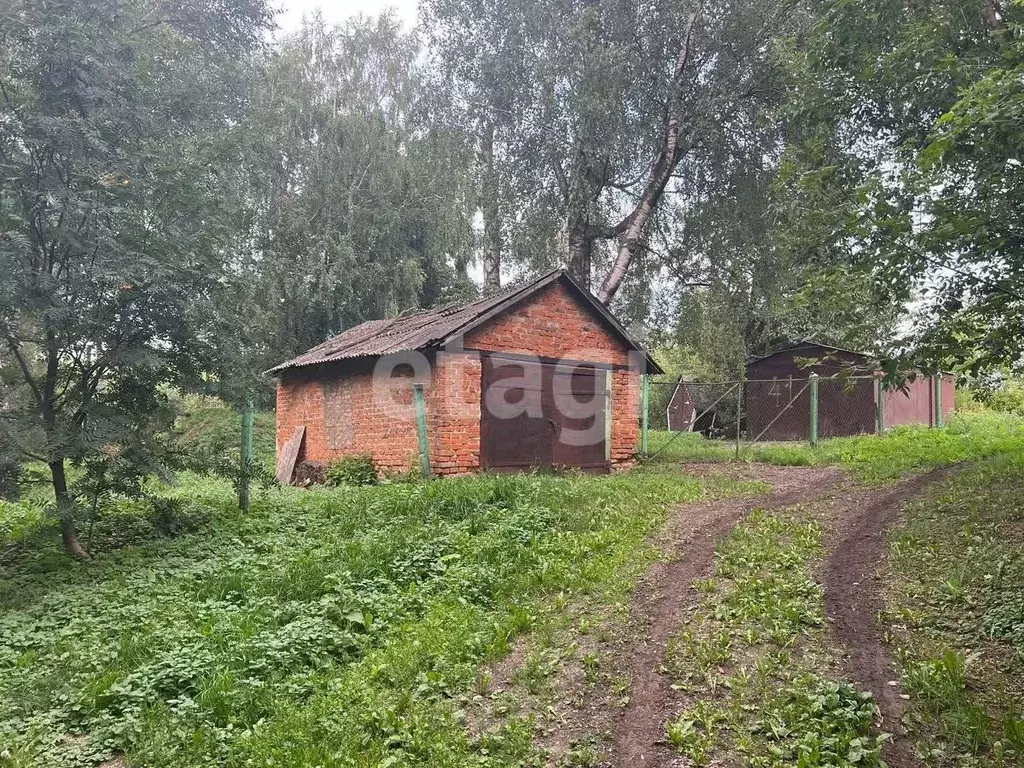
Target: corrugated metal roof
point(436, 327)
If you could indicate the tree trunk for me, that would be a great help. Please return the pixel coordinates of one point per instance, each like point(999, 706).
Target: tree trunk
point(629, 244)
point(993, 14)
point(673, 147)
point(48, 405)
point(581, 255)
point(490, 207)
point(65, 508)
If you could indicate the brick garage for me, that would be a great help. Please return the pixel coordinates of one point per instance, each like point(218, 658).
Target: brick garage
point(548, 340)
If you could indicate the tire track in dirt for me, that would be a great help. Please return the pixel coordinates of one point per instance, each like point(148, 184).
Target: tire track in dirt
point(853, 600)
point(663, 600)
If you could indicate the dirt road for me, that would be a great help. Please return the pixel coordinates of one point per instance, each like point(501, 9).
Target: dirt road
point(853, 600)
point(663, 600)
point(858, 518)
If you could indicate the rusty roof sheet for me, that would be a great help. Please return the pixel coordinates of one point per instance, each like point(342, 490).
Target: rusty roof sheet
point(804, 343)
point(436, 327)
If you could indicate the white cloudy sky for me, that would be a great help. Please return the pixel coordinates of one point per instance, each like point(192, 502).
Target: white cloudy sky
point(334, 11)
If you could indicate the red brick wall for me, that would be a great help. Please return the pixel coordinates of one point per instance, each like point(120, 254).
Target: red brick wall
point(342, 414)
point(299, 403)
point(453, 414)
point(552, 323)
point(625, 416)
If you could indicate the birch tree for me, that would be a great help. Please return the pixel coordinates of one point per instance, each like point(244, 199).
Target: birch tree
point(355, 194)
point(614, 99)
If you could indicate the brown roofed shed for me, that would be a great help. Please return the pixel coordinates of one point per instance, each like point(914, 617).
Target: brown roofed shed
point(777, 396)
point(541, 374)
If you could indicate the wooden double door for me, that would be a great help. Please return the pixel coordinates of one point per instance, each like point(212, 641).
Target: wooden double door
point(542, 415)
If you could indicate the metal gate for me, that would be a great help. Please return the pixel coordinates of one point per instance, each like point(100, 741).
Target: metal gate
point(542, 415)
point(736, 415)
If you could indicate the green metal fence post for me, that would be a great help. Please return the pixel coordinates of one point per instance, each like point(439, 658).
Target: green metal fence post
point(421, 428)
point(645, 400)
point(245, 470)
point(739, 415)
point(938, 399)
point(814, 410)
point(879, 407)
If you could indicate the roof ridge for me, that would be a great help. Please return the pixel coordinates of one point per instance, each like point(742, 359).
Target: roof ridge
point(420, 329)
point(810, 342)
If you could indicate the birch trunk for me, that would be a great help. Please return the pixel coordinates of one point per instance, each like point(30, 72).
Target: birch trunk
point(581, 253)
point(669, 154)
point(491, 209)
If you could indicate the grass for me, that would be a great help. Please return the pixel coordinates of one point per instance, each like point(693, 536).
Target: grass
point(207, 432)
point(355, 626)
point(754, 663)
point(900, 451)
point(957, 601)
point(207, 424)
point(334, 626)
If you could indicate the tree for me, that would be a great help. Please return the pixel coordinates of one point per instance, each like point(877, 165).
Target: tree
point(610, 103)
point(485, 73)
point(970, 190)
point(118, 119)
point(353, 204)
point(929, 206)
point(732, 287)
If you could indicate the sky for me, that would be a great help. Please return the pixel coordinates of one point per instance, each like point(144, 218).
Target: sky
point(336, 11)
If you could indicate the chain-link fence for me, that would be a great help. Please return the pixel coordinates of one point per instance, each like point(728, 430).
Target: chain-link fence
point(734, 415)
point(709, 408)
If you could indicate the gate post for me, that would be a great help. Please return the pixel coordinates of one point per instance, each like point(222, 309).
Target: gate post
point(739, 414)
point(645, 394)
point(938, 399)
point(814, 410)
point(608, 416)
point(421, 428)
point(879, 407)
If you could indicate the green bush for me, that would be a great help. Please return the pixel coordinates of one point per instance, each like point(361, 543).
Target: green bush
point(966, 400)
point(20, 519)
point(412, 475)
point(357, 469)
point(1008, 399)
point(208, 435)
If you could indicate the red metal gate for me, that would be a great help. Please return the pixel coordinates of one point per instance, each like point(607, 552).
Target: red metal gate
point(541, 415)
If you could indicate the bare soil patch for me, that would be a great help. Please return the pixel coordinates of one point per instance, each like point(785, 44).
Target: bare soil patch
point(636, 731)
point(853, 600)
